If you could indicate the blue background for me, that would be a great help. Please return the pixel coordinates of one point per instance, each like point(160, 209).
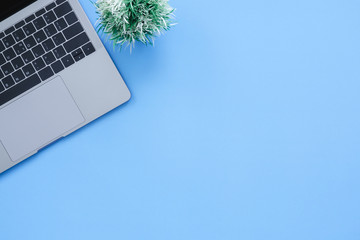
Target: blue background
point(243, 124)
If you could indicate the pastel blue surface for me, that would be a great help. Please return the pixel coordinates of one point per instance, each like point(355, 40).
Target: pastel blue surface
point(243, 124)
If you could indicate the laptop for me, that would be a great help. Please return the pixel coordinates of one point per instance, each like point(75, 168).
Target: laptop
point(55, 76)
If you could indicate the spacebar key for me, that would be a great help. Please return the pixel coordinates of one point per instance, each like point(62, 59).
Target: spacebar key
point(20, 88)
point(76, 42)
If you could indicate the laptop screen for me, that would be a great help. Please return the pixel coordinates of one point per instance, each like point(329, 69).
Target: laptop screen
point(9, 7)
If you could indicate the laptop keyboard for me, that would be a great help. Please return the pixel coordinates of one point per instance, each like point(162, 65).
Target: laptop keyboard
point(40, 46)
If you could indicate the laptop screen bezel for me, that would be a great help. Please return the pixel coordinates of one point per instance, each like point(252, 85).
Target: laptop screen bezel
point(10, 7)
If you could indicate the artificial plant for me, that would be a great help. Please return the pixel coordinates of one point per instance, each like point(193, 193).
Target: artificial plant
point(128, 21)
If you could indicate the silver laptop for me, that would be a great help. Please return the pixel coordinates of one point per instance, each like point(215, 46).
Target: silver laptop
point(55, 76)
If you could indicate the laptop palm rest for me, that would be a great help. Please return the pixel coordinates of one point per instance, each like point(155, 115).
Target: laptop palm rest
point(38, 118)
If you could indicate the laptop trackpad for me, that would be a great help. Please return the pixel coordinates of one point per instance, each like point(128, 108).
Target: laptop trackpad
point(38, 118)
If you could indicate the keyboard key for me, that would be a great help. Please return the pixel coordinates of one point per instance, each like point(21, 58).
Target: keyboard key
point(40, 36)
point(18, 75)
point(58, 39)
point(17, 62)
point(50, 6)
point(2, 47)
point(30, 42)
point(58, 2)
point(67, 60)
point(28, 56)
point(57, 66)
point(49, 17)
point(19, 35)
point(49, 58)
point(7, 68)
point(2, 88)
point(59, 52)
point(60, 24)
point(19, 88)
point(38, 64)
point(29, 29)
point(30, 18)
point(40, 12)
point(46, 73)
point(2, 34)
point(39, 23)
point(1, 75)
point(62, 9)
point(28, 70)
point(88, 48)
point(78, 54)
point(38, 51)
point(20, 24)
point(2, 59)
point(76, 42)
point(19, 48)
point(73, 30)
point(71, 18)
point(8, 82)
point(48, 45)
point(9, 41)
point(9, 54)
point(9, 30)
point(50, 30)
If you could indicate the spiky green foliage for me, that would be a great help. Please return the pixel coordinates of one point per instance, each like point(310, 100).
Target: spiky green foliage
point(128, 21)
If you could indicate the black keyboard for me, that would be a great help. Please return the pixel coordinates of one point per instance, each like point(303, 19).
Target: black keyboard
point(40, 46)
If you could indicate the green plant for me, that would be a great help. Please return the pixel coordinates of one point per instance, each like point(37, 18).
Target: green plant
point(128, 21)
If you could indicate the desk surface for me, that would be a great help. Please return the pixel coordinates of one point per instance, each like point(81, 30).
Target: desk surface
point(244, 124)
